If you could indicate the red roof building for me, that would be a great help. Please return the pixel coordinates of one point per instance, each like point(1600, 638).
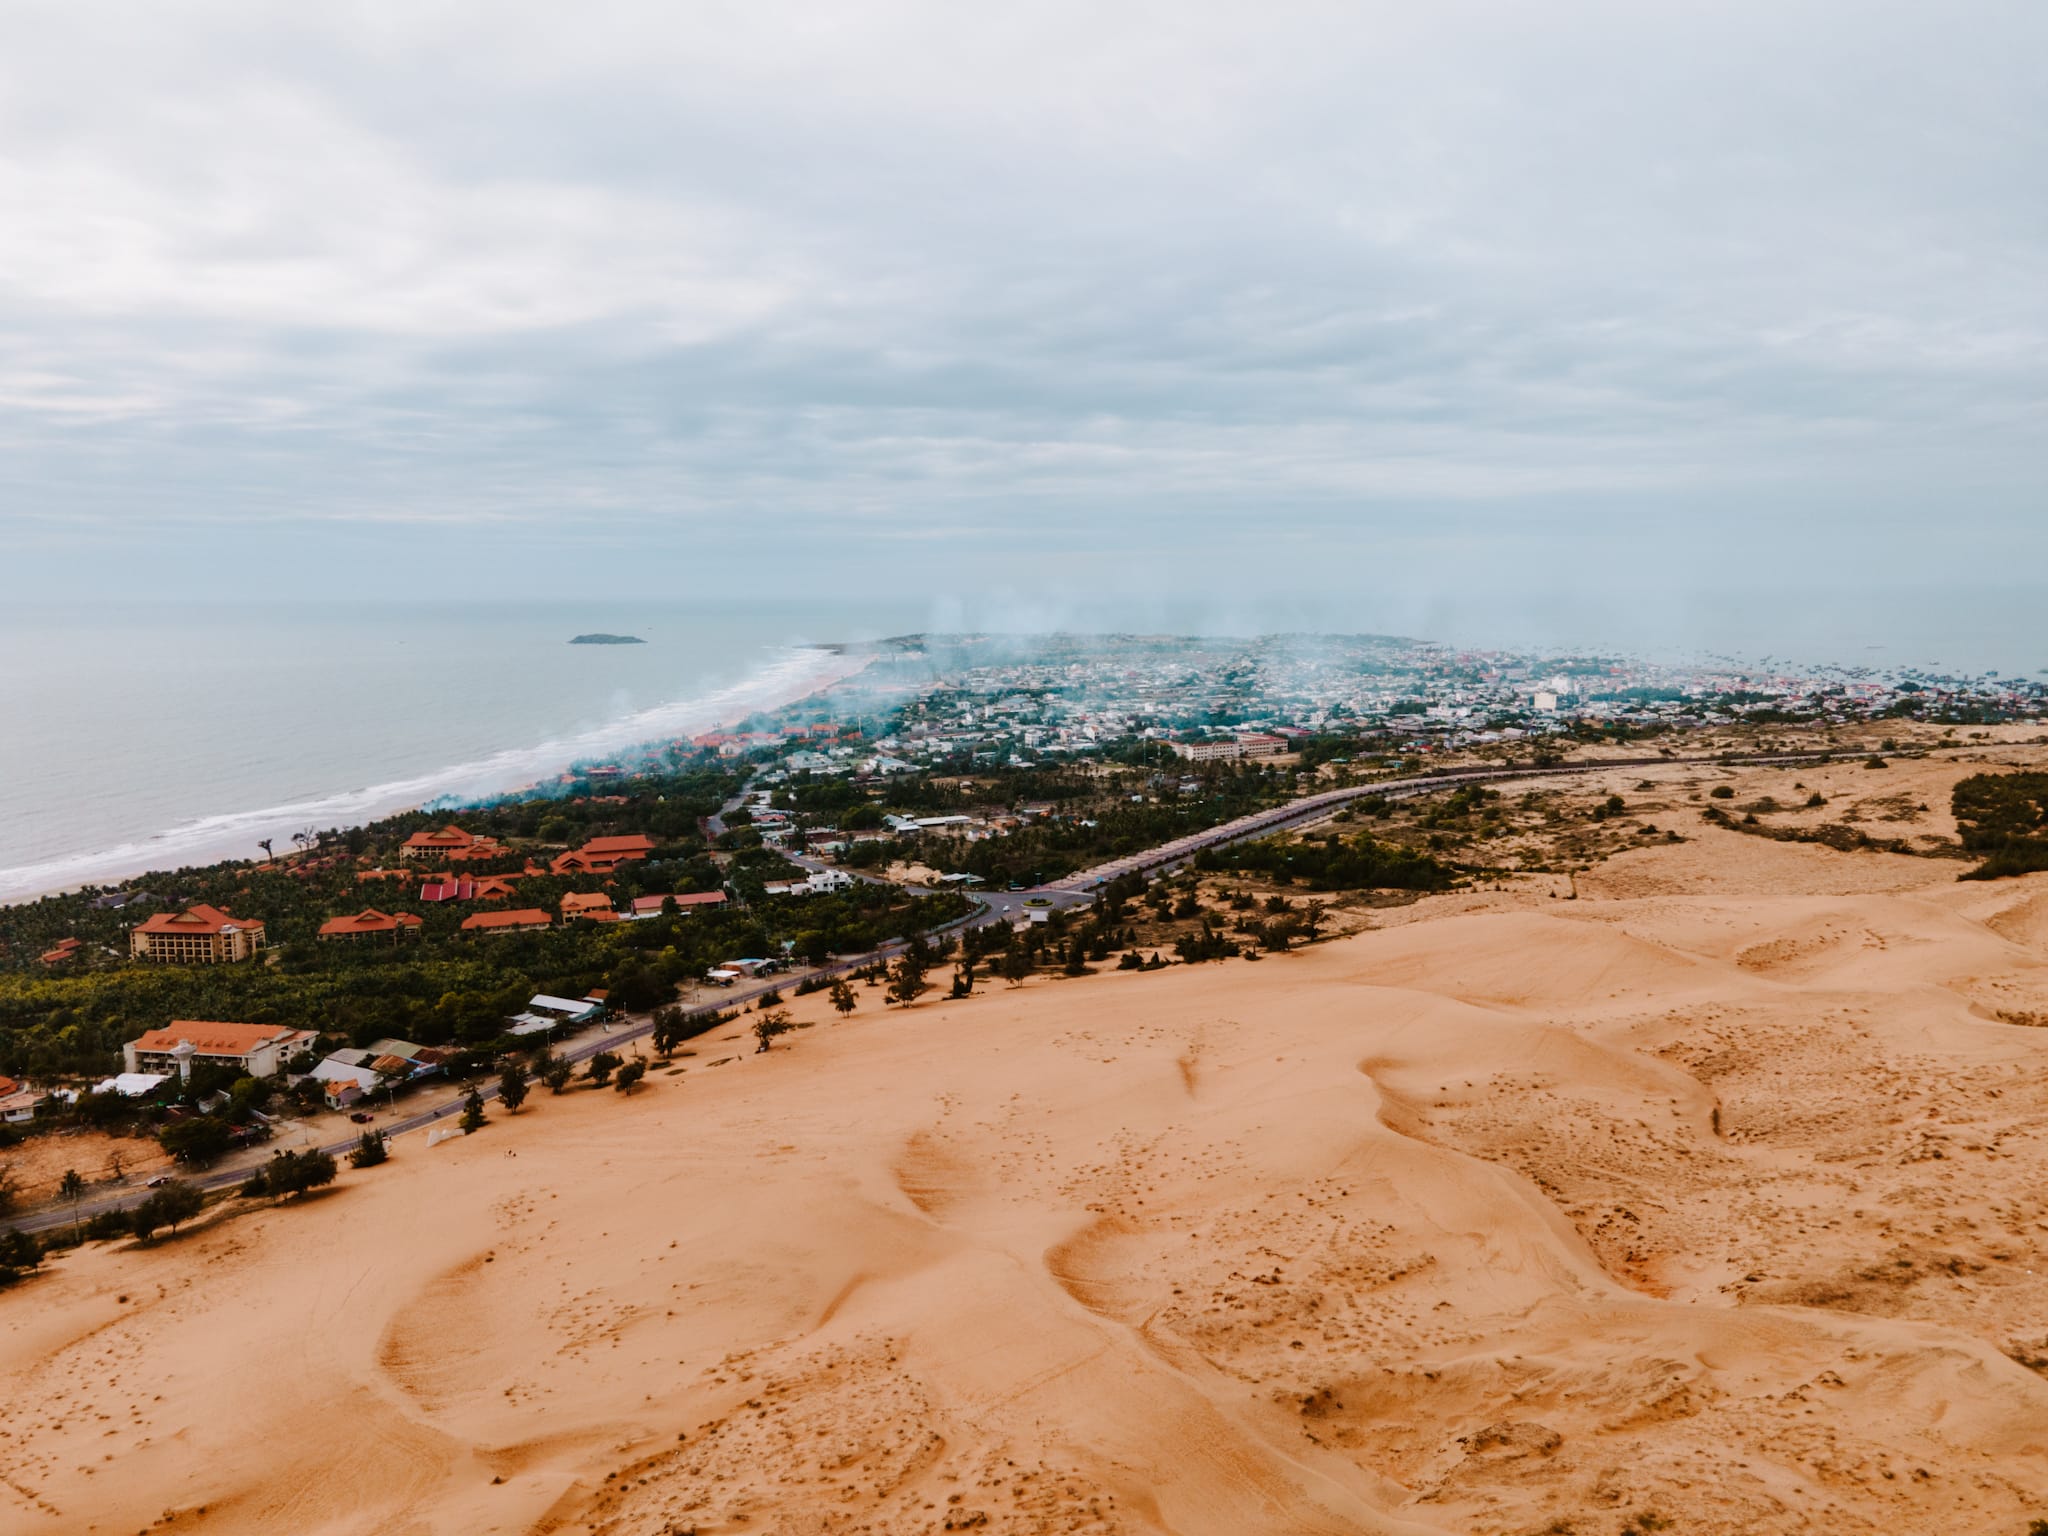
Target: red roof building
point(449, 840)
point(371, 924)
point(451, 843)
point(603, 855)
point(258, 1049)
point(519, 920)
point(67, 949)
point(200, 935)
point(463, 888)
point(594, 905)
point(644, 905)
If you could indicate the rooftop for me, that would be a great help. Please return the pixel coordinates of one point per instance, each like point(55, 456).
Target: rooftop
point(214, 1039)
point(519, 917)
point(196, 920)
point(369, 920)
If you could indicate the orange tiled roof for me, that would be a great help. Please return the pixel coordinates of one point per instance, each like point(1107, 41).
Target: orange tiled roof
point(199, 919)
point(449, 837)
point(522, 917)
point(369, 920)
point(617, 847)
point(213, 1039)
point(683, 899)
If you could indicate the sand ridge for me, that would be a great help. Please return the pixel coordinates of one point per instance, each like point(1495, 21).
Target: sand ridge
point(1506, 1216)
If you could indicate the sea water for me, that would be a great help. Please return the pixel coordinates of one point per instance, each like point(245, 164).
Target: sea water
point(150, 737)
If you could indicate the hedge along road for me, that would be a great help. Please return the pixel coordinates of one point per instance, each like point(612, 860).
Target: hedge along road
point(1070, 891)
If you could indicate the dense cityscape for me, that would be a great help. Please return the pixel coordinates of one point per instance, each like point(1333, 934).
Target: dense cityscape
point(990, 700)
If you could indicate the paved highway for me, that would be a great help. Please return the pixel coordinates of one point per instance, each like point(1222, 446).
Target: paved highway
point(1170, 856)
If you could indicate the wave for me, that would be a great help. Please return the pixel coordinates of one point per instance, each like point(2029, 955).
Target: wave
point(791, 675)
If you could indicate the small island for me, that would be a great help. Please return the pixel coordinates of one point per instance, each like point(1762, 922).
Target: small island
point(607, 640)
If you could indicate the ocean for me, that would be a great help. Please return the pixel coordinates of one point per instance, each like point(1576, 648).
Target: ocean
point(152, 737)
point(146, 737)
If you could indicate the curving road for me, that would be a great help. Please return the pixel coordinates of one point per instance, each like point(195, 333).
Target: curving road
point(1168, 856)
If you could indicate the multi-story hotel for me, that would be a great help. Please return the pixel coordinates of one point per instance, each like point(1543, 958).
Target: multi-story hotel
point(450, 843)
point(200, 935)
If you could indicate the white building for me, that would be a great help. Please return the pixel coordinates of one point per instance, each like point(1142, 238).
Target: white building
point(259, 1050)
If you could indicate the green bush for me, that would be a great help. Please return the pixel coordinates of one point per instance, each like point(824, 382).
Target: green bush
point(168, 1206)
point(2005, 816)
point(20, 1254)
point(1361, 864)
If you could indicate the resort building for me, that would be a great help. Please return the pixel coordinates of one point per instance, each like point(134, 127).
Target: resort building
point(464, 888)
point(371, 924)
point(520, 920)
point(199, 935)
point(650, 906)
point(67, 949)
point(259, 1050)
point(594, 905)
point(602, 855)
point(451, 843)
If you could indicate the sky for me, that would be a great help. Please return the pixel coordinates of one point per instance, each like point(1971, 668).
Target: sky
point(1280, 307)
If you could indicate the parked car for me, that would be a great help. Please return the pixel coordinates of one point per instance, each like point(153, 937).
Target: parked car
point(159, 1181)
point(361, 1118)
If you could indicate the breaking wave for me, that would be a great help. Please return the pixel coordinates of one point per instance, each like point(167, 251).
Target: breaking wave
point(790, 676)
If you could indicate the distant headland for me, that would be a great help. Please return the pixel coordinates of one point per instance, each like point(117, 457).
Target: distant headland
point(607, 640)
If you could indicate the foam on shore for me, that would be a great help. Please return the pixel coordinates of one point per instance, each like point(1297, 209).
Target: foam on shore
point(789, 675)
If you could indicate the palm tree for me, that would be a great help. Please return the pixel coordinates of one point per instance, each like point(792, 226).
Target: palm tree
point(264, 844)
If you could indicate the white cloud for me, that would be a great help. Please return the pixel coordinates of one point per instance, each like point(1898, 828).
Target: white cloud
point(639, 269)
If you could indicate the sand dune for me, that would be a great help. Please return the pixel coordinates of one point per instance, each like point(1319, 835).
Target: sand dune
point(1721, 1207)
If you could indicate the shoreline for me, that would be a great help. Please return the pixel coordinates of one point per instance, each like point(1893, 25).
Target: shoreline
point(214, 839)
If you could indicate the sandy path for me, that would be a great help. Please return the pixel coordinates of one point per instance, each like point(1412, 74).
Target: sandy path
point(1722, 1207)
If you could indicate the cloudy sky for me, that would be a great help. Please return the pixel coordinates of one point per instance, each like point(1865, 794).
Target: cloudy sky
point(1060, 298)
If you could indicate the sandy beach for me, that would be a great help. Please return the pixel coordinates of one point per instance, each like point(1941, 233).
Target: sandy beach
point(1712, 1197)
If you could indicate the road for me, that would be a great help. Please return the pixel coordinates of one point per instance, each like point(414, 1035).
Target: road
point(993, 907)
point(1170, 856)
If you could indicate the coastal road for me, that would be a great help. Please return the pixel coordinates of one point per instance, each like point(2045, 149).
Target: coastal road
point(1170, 856)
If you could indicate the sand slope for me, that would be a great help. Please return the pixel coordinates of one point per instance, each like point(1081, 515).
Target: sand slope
point(1727, 1208)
